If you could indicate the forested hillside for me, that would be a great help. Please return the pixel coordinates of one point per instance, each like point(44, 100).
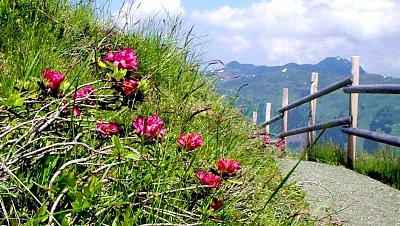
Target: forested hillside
point(264, 84)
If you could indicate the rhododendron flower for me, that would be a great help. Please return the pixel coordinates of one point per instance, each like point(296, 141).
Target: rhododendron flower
point(280, 144)
point(151, 127)
point(209, 179)
point(108, 129)
point(85, 92)
point(76, 111)
point(54, 79)
point(217, 204)
point(266, 139)
point(125, 59)
point(228, 166)
point(128, 85)
point(190, 141)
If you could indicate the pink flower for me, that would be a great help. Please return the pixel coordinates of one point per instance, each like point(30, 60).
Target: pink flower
point(209, 179)
point(190, 141)
point(86, 92)
point(228, 166)
point(54, 79)
point(217, 204)
point(266, 139)
point(280, 144)
point(125, 59)
point(107, 129)
point(76, 111)
point(151, 127)
point(128, 85)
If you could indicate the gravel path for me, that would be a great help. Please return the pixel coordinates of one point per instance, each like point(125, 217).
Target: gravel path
point(342, 197)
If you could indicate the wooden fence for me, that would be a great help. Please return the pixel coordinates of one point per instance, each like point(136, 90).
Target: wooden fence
point(350, 86)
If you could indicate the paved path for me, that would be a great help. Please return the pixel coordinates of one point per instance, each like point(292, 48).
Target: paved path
point(340, 196)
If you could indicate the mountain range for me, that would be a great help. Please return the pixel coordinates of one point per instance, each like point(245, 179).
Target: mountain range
point(257, 85)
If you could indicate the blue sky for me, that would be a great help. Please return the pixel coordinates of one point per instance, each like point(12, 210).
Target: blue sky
point(276, 32)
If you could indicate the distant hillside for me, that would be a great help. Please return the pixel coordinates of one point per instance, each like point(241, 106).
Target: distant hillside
point(265, 83)
point(335, 65)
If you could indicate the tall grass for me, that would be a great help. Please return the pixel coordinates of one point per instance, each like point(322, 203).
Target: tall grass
point(382, 164)
point(56, 168)
point(328, 153)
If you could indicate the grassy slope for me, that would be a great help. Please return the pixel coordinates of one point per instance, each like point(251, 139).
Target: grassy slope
point(383, 164)
point(36, 36)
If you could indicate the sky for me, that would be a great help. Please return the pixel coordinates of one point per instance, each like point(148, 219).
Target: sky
point(277, 32)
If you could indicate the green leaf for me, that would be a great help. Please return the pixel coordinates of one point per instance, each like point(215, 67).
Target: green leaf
point(133, 156)
point(119, 73)
point(86, 190)
point(65, 221)
point(91, 187)
point(85, 204)
point(71, 181)
point(115, 221)
point(119, 150)
point(76, 206)
point(14, 100)
point(92, 184)
point(41, 215)
point(144, 85)
point(42, 210)
point(79, 195)
point(65, 86)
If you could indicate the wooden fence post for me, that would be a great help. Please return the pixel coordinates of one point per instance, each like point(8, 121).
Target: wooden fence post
point(267, 116)
point(312, 112)
point(254, 117)
point(285, 101)
point(353, 112)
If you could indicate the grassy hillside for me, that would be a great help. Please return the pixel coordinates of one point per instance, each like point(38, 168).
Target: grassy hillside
point(89, 139)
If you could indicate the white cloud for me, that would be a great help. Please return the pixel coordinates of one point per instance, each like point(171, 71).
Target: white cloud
point(237, 43)
point(306, 31)
point(139, 10)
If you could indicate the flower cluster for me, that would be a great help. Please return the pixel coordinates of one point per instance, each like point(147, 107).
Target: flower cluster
point(107, 129)
point(280, 144)
point(228, 166)
point(217, 204)
point(151, 127)
point(125, 59)
point(268, 140)
point(209, 179)
point(53, 78)
point(85, 92)
point(190, 141)
point(129, 85)
point(125, 82)
point(122, 59)
point(76, 111)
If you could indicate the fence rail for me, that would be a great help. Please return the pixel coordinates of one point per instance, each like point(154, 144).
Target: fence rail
point(320, 93)
point(371, 135)
point(383, 89)
point(318, 126)
point(272, 120)
point(350, 123)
